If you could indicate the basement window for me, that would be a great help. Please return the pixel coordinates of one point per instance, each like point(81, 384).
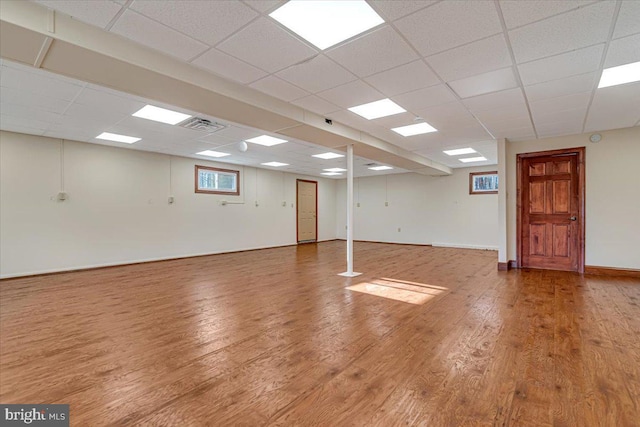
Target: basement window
point(217, 181)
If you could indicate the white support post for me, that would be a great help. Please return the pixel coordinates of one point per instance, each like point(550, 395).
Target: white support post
point(349, 272)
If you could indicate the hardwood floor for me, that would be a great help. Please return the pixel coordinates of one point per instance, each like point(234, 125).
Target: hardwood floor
point(272, 337)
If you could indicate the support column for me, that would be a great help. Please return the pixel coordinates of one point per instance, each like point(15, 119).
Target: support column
point(349, 272)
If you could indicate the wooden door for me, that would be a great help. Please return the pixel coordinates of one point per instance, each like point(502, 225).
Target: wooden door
point(307, 210)
point(551, 208)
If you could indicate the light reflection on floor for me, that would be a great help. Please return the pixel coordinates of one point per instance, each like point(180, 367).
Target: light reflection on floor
point(399, 290)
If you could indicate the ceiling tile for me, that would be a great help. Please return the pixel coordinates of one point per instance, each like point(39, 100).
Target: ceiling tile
point(431, 31)
point(351, 94)
point(492, 81)
point(11, 96)
point(279, 88)
point(623, 51)
point(318, 74)
point(91, 97)
point(150, 33)
point(569, 31)
point(518, 12)
point(405, 78)
point(316, 105)
point(566, 86)
point(391, 10)
point(567, 64)
point(38, 83)
point(424, 98)
point(512, 117)
point(207, 21)
point(96, 12)
point(397, 120)
point(467, 134)
point(614, 107)
point(471, 59)
point(264, 6)
point(377, 51)
point(443, 116)
point(628, 19)
point(426, 141)
point(506, 98)
point(551, 106)
point(573, 117)
point(229, 67)
point(548, 130)
point(266, 45)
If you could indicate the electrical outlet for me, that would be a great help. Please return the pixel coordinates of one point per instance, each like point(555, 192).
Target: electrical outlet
point(284, 204)
point(386, 203)
point(223, 203)
point(257, 204)
point(62, 196)
point(171, 200)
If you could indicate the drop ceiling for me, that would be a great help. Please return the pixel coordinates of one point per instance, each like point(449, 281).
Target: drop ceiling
point(475, 70)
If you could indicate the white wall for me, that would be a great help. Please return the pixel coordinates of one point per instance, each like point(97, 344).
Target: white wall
point(428, 210)
point(117, 211)
point(612, 194)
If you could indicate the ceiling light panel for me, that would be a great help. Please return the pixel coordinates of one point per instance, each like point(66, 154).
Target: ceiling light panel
point(416, 129)
point(266, 140)
point(211, 153)
point(620, 75)
point(380, 168)
point(118, 138)
point(327, 23)
point(335, 170)
point(275, 164)
point(375, 110)
point(473, 159)
point(331, 173)
point(328, 156)
point(459, 151)
point(161, 115)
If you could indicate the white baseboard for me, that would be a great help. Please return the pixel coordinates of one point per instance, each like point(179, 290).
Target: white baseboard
point(463, 246)
point(138, 261)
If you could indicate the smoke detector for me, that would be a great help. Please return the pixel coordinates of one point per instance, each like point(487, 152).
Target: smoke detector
point(204, 125)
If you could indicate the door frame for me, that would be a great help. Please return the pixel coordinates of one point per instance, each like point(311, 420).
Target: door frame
point(520, 202)
point(298, 208)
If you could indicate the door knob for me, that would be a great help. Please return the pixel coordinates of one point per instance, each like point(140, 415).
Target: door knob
point(573, 218)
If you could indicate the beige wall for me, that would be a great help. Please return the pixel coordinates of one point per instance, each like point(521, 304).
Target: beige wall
point(118, 212)
point(612, 194)
point(428, 210)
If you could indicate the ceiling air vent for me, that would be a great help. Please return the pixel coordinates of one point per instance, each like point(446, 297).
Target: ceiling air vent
point(204, 125)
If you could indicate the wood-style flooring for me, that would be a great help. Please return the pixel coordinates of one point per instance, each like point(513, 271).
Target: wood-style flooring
point(272, 337)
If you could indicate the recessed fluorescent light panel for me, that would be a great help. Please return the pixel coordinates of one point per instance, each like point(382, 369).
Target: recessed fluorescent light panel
point(375, 110)
point(331, 173)
point(335, 170)
point(380, 168)
point(326, 23)
point(212, 153)
point(266, 140)
point(473, 159)
point(275, 164)
point(620, 75)
point(328, 156)
point(459, 151)
point(417, 129)
point(118, 138)
point(161, 115)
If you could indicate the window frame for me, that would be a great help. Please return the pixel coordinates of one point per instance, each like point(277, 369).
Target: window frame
point(226, 171)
